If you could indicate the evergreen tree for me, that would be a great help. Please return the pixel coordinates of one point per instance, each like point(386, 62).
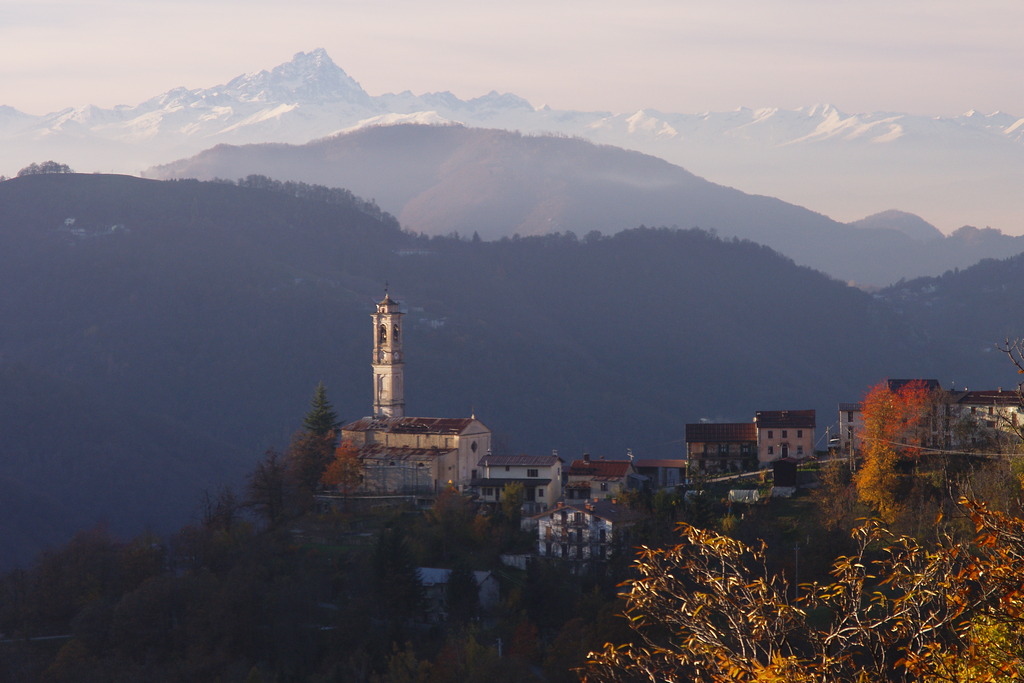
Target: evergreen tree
point(321, 418)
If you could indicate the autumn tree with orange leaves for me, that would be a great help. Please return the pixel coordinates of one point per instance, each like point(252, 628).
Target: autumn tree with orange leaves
point(894, 415)
point(710, 609)
point(345, 471)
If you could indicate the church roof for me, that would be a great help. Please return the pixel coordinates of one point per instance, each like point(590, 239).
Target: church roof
point(411, 425)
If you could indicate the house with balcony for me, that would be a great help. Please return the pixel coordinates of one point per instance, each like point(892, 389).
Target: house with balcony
point(584, 533)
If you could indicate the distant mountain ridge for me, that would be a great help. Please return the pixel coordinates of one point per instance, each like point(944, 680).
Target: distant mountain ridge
point(966, 169)
point(443, 179)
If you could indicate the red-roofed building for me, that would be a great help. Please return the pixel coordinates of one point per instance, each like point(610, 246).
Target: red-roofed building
point(417, 454)
point(588, 478)
point(715, 448)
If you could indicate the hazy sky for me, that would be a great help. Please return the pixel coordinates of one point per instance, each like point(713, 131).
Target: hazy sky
point(918, 56)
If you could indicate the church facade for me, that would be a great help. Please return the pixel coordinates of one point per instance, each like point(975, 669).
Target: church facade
point(403, 454)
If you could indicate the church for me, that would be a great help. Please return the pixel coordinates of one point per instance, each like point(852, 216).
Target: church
point(409, 455)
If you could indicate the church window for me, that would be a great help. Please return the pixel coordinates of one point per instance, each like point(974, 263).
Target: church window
point(395, 333)
point(383, 334)
point(473, 446)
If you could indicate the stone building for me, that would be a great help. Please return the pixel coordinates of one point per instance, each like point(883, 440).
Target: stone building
point(718, 448)
point(402, 454)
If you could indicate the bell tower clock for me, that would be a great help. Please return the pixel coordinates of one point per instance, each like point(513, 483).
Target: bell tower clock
point(388, 385)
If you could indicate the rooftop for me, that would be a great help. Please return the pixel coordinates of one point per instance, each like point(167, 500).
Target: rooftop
point(722, 432)
point(611, 510)
point(784, 418)
point(611, 469)
point(411, 425)
point(518, 460)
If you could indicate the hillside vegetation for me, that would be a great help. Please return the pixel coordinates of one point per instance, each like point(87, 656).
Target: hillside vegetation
point(159, 336)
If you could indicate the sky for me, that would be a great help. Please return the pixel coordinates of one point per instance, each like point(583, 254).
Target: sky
point(935, 57)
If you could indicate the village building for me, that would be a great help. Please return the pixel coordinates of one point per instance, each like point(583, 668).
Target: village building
point(588, 479)
point(540, 476)
point(402, 454)
point(784, 434)
point(718, 448)
point(954, 419)
point(662, 474)
point(976, 418)
point(583, 532)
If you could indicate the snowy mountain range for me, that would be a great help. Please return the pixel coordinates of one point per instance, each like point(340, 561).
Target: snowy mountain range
point(950, 170)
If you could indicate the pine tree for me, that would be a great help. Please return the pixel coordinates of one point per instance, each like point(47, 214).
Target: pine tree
point(321, 418)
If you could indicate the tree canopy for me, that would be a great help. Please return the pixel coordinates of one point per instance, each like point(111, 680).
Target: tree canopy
point(44, 167)
point(321, 418)
point(708, 609)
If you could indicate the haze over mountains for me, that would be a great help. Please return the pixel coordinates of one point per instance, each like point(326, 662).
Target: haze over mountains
point(444, 179)
point(161, 335)
point(963, 170)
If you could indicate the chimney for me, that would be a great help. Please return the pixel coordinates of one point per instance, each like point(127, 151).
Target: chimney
point(586, 457)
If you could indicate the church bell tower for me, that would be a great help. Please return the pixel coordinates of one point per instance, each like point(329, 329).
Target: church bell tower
point(388, 385)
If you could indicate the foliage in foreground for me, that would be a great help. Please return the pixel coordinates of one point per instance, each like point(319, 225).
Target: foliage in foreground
point(708, 609)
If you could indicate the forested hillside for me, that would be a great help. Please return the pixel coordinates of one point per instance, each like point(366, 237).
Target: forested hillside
point(159, 336)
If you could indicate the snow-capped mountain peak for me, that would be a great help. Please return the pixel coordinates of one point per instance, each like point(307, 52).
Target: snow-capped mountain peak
point(310, 77)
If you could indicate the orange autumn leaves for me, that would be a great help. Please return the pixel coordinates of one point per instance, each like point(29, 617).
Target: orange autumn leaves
point(895, 415)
